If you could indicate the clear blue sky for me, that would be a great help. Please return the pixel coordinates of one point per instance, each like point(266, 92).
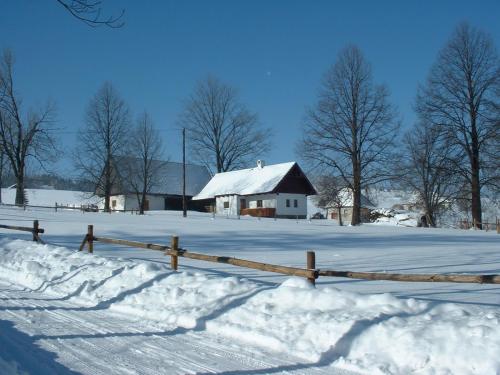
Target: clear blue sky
point(274, 52)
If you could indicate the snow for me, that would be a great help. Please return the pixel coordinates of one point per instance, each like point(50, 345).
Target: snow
point(123, 311)
point(48, 197)
point(245, 181)
point(326, 327)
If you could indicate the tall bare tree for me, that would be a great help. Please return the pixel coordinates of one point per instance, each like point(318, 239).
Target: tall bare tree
point(104, 136)
point(90, 13)
point(222, 133)
point(462, 97)
point(352, 128)
point(426, 167)
point(22, 136)
point(143, 164)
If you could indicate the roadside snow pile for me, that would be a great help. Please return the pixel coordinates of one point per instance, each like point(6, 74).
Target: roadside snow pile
point(146, 290)
point(376, 334)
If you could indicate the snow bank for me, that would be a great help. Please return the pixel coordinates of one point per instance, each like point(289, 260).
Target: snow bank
point(146, 290)
point(373, 333)
point(376, 334)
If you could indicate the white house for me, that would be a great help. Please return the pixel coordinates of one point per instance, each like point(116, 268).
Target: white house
point(278, 190)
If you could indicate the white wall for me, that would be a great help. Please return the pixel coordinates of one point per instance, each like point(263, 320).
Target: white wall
point(277, 201)
point(234, 205)
point(129, 202)
point(268, 200)
point(282, 209)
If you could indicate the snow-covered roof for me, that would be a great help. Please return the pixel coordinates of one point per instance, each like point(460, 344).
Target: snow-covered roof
point(249, 181)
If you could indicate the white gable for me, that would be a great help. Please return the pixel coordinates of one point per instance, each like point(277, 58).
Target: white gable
point(245, 181)
point(346, 197)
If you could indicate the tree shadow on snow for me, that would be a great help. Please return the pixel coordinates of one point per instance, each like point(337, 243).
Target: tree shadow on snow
point(19, 353)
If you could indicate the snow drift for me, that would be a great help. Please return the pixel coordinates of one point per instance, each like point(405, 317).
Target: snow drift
point(326, 326)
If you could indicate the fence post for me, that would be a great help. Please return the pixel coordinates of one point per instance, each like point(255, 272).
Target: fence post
point(311, 264)
point(90, 238)
point(35, 230)
point(55, 207)
point(174, 245)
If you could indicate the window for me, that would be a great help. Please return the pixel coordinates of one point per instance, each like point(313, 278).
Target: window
point(295, 203)
point(243, 204)
point(259, 203)
point(288, 202)
point(226, 204)
point(113, 203)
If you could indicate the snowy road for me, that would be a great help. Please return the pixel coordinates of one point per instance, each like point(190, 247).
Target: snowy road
point(89, 340)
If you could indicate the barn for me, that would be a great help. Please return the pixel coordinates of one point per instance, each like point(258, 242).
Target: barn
point(166, 192)
point(278, 190)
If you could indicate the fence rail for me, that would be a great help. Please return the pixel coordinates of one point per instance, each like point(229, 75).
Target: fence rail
point(175, 252)
point(435, 278)
point(310, 271)
point(35, 230)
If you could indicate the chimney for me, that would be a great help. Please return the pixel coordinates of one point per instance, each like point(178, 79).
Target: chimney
point(261, 164)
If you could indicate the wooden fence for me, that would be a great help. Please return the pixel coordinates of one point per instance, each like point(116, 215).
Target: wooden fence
point(310, 272)
point(35, 230)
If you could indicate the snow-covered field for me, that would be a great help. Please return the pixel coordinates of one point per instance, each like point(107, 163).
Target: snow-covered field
point(122, 311)
point(48, 197)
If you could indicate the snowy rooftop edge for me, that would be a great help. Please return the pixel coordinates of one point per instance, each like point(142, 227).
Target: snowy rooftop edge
point(256, 180)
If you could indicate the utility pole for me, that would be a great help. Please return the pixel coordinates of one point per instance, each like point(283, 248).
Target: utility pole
point(184, 208)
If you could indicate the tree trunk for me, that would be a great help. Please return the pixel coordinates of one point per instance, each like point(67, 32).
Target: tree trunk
point(107, 184)
point(339, 210)
point(20, 189)
point(476, 196)
point(143, 203)
point(356, 197)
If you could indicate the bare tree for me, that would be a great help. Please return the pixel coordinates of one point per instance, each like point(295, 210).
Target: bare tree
point(90, 13)
point(427, 169)
point(104, 136)
point(462, 96)
point(22, 137)
point(4, 167)
point(222, 133)
point(332, 194)
point(352, 128)
point(143, 165)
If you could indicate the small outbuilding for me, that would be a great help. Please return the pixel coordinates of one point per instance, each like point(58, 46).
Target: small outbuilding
point(278, 190)
point(344, 206)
